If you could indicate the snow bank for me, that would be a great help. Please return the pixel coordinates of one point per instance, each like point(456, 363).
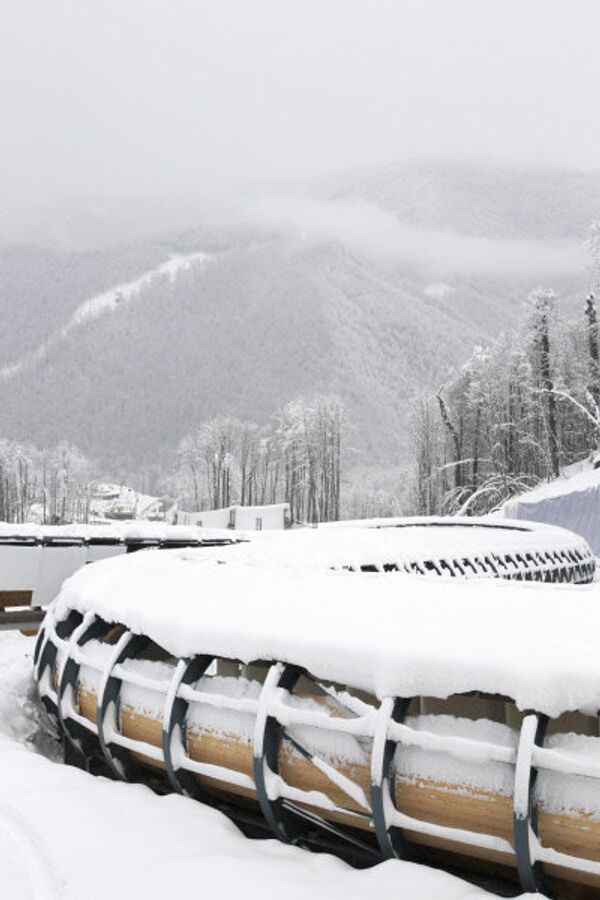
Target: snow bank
point(571, 502)
point(121, 841)
point(402, 635)
point(21, 716)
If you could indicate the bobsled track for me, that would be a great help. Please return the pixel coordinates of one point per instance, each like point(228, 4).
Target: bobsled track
point(35, 560)
point(450, 723)
point(457, 547)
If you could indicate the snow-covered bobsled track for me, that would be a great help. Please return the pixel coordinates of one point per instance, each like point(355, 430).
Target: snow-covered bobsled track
point(451, 723)
point(455, 547)
point(35, 559)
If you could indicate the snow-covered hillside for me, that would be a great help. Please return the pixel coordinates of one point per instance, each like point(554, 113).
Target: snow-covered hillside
point(100, 304)
point(539, 203)
point(330, 294)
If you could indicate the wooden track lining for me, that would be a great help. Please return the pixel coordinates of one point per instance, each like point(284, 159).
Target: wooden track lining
point(436, 802)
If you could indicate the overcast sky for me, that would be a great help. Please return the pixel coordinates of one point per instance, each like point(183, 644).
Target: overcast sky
point(159, 97)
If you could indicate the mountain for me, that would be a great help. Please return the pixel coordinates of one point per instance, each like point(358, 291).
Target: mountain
point(371, 284)
point(487, 200)
point(40, 287)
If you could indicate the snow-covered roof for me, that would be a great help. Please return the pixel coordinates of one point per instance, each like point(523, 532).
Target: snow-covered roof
point(402, 636)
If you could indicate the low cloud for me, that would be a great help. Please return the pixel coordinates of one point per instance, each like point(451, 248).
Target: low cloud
point(361, 226)
point(374, 232)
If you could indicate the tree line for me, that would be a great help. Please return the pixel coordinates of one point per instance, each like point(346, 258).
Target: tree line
point(520, 408)
point(48, 486)
point(517, 411)
point(296, 458)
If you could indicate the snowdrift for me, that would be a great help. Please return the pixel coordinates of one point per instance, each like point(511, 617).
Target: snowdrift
point(572, 502)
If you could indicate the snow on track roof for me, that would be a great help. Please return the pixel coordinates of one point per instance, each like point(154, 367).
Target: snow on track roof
point(404, 541)
point(402, 635)
point(118, 531)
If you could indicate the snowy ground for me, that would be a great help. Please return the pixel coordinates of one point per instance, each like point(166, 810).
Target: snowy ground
point(66, 835)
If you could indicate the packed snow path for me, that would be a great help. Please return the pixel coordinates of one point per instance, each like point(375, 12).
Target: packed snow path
point(99, 304)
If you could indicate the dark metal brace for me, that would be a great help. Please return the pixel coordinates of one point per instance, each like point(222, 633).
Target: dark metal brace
point(391, 839)
point(280, 819)
point(303, 751)
point(47, 661)
point(63, 630)
point(336, 700)
point(281, 814)
point(531, 875)
point(181, 779)
point(38, 646)
point(315, 819)
point(118, 758)
point(48, 653)
point(46, 657)
point(84, 741)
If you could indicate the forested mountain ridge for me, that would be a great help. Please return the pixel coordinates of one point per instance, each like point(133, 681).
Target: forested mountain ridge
point(489, 200)
point(40, 287)
point(275, 312)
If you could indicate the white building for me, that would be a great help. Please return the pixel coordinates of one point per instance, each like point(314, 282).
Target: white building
point(240, 518)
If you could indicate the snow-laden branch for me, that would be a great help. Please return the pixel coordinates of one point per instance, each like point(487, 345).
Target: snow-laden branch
point(564, 395)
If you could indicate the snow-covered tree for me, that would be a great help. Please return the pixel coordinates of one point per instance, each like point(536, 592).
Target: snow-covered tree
point(518, 410)
point(296, 458)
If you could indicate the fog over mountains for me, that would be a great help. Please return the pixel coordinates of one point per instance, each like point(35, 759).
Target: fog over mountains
point(371, 284)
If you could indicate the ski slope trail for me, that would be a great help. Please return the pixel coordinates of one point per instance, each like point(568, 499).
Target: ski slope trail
point(106, 302)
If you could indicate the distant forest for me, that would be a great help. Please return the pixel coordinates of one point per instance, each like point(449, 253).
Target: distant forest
point(296, 458)
point(519, 409)
point(187, 391)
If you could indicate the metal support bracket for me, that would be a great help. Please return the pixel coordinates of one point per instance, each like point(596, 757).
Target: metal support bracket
point(531, 872)
point(392, 841)
point(118, 758)
point(267, 740)
point(181, 779)
point(81, 738)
